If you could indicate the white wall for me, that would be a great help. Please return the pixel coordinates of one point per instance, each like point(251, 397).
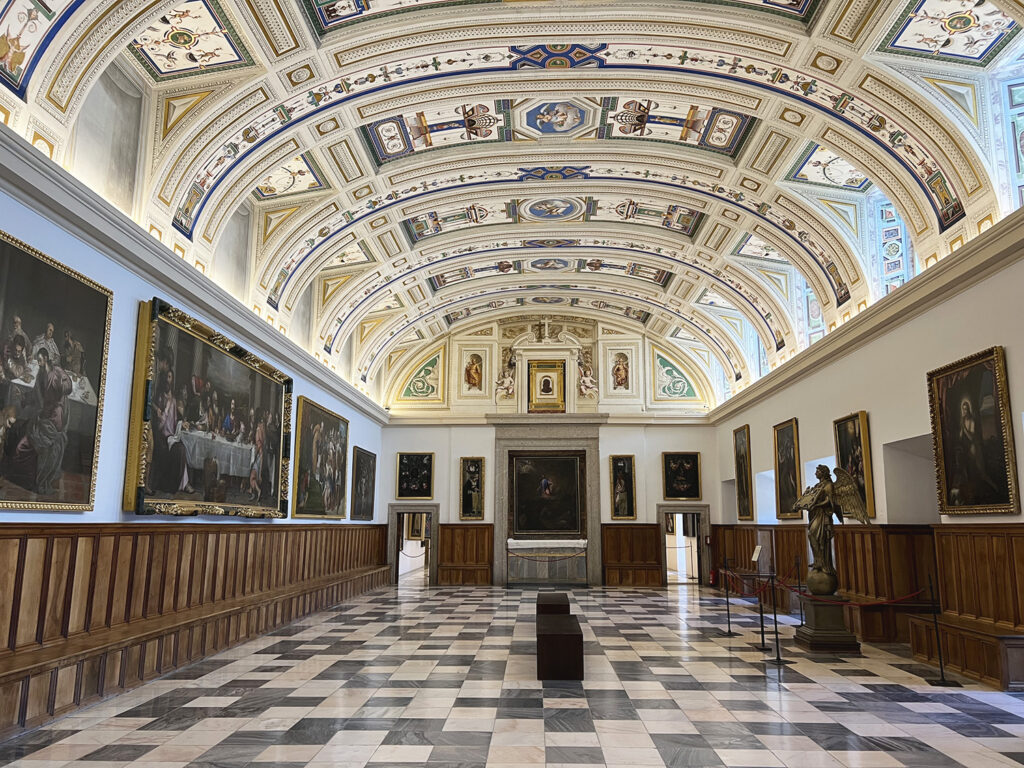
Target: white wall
point(129, 290)
point(887, 378)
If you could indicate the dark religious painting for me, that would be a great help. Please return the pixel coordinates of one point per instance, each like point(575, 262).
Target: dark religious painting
point(321, 461)
point(975, 462)
point(471, 483)
point(415, 523)
point(364, 483)
point(54, 329)
point(210, 433)
point(546, 386)
point(623, 480)
point(787, 469)
point(415, 476)
point(547, 494)
point(680, 476)
point(744, 482)
point(853, 453)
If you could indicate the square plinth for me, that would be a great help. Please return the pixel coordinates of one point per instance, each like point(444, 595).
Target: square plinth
point(552, 603)
point(559, 647)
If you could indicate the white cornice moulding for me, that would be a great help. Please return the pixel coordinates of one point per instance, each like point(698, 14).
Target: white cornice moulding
point(37, 182)
point(993, 250)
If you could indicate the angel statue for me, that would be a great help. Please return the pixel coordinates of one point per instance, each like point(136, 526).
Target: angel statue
point(821, 501)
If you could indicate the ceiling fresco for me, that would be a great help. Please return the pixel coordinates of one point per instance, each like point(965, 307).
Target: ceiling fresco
point(699, 174)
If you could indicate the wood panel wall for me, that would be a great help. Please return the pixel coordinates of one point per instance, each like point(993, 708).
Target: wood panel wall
point(981, 590)
point(89, 611)
point(465, 554)
point(632, 554)
point(881, 563)
point(780, 546)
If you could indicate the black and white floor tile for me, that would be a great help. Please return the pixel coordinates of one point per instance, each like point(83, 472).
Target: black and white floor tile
point(446, 678)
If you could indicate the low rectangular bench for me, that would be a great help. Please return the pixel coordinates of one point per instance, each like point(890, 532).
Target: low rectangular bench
point(552, 603)
point(559, 647)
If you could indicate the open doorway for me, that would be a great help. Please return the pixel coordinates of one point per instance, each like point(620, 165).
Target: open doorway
point(413, 551)
point(682, 547)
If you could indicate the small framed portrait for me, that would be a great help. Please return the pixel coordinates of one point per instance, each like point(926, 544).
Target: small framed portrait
point(787, 469)
point(547, 386)
point(364, 483)
point(415, 477)
point(975, 461)
point(623, 480)
point(471, 485)
point(853, 453)
point(680, 476)
point(321, 461)
point(670, 523)
point(415, 526)
point(744, 481)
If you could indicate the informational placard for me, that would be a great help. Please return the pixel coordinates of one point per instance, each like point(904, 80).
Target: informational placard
point(757, 554)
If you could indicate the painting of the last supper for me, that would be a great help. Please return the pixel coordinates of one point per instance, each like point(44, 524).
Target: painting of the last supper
point(218, 420)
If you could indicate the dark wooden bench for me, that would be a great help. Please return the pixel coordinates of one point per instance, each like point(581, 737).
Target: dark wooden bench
point(552, 603)
point(559, 647)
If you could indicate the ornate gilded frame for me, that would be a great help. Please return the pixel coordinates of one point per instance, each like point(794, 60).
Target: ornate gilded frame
point(398, 470)
point(28, 250)
point(361, 454)
point(998, 357)
point(537, 403)
point(140, 431)
point(611, 485)
point(664, 477)
point(303, 402)
point(781, 514)
point(861, 418)
point(462, 472)
point(745, 469)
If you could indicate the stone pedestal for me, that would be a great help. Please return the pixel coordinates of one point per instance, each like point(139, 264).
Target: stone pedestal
point(824, 629)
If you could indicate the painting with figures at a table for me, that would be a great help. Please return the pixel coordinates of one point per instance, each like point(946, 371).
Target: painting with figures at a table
point(213, 423)
point(54, 328)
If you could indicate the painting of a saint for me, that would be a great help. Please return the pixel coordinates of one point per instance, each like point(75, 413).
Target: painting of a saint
point(321, 466)
point(744, 482)
point(787, 469)
point(623, 479)
point(472, 487)
point(547, 494)
point(853, 453)
point(364, 482)
point(974, 453)
point(620, 371)
point(50, 393)
point(473, 373)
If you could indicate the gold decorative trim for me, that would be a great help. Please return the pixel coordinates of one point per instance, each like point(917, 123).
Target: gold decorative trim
point(398, 463)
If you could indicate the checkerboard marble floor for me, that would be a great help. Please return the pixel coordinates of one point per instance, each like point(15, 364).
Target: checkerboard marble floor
point(445, 677)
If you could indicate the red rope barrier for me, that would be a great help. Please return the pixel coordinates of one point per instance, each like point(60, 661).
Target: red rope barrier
point(820, 599)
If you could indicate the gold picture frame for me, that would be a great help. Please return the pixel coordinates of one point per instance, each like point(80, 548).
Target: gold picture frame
point(471, 487)
point(788, 474)
point(744, 479)
point(972, 435)
point(415, 525)
point(316, 483)
point(26, 270)
point(622, 474)
point(546, 386)
point(414, 475)
point(675, 470)
point(853, 453)
point(161, 328)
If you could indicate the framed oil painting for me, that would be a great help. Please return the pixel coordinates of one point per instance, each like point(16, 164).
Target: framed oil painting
point(364, 483)
point(744, 481)
point(415, 476)
point(670, 523)
point(54, 331)
point(548, 494)
point(623, 480)
point(975, 461)
point(471, 484)
point(546, 386)
point(787, 469)
point(211, 423)
point(853, 453)
point(321, 461)
point(680, 476)
point(415, 524)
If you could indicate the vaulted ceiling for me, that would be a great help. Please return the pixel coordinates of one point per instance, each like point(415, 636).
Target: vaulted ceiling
point(416, 165)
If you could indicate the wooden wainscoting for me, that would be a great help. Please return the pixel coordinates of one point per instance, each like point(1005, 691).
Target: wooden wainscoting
point(884, 562)
point(632, 554)
point(87, 611)
point(981, 591)
point(780, 546)
point(465, 554)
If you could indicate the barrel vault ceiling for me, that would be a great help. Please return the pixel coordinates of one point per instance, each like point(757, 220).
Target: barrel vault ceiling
point(421, 166)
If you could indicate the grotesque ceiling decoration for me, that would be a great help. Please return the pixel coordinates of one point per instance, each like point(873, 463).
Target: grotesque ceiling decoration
point(727, 180)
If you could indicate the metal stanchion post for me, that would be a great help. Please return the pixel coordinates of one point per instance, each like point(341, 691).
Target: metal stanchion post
point(778, 660)
point(942, 682)
point(799, 590)
point(728, 612)
point(760, 610)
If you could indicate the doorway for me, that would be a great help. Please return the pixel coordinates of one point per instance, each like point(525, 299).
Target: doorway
point(682, 548)
point(412, 554)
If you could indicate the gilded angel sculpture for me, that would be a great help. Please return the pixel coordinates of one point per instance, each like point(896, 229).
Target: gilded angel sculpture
point(822, 501)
